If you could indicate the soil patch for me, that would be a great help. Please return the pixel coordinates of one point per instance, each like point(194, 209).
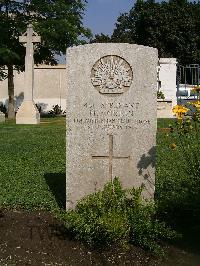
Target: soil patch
point(37, 238)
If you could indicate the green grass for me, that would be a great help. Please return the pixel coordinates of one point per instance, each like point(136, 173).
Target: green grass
point(32, 171)
point(178, 176)
point(32, 159)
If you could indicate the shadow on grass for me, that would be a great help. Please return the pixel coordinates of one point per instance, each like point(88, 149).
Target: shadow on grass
point(57, 185)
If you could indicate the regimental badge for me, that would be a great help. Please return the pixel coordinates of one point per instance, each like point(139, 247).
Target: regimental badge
point(111, 75)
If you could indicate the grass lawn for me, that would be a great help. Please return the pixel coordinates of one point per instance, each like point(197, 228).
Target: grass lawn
point(32, 158)
point(32, 173)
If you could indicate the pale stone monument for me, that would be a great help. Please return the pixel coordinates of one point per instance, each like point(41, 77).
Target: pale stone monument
point(164, 109)
point(2, 117)
point(28, 112)
point(111, 118)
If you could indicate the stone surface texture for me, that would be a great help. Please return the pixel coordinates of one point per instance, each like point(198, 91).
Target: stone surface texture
point(167, 77)
point(164, 109)
point(111, 118)
point(2, 117)
point(27, 113)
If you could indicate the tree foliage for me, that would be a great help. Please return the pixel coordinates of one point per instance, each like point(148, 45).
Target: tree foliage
point(59, 22)
point(101, 38)
point(172, 27)
point(10, 27)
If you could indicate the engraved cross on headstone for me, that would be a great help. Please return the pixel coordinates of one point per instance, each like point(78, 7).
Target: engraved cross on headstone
point(110, 157)
point(29, 38)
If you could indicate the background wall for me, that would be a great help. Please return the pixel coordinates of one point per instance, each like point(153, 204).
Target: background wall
point(50, 85)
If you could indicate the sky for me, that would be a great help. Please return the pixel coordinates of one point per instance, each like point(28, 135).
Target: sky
point(101, 15)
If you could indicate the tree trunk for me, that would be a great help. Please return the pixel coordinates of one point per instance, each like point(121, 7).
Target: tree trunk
point(11, 108)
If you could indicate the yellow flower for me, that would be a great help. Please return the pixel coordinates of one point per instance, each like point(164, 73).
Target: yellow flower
point(196, 104)
point(172, 146)
point(180, 110)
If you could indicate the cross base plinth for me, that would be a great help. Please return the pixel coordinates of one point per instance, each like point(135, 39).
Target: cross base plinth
point(28, 113)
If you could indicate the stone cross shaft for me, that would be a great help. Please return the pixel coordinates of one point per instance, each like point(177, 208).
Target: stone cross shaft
point(29, 38)
point(111, 157)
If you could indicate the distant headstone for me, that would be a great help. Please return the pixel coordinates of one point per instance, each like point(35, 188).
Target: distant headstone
point(28, 112)
point(2, 117)
point(164, 108)
point(111, 118)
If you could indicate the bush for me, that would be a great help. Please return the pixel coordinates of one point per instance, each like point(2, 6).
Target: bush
point(56, 111)
point(178, 182)
point(160, 95)
point(3, 108)
point(117, 216)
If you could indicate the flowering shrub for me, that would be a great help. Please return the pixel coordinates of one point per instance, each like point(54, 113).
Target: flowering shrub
point(180, 111)
point(188, 116)
point(178, 188)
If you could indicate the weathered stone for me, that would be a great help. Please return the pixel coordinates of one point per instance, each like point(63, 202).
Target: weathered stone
point(28, 113)
point(2, 117)
point(111, 118)
point(164, 109)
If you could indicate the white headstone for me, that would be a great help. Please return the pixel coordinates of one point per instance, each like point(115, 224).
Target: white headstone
point(111, 118)
point(2, 117)
point(28, 112)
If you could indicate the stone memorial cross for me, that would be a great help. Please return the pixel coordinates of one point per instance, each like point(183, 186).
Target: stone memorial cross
point(28, 113)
